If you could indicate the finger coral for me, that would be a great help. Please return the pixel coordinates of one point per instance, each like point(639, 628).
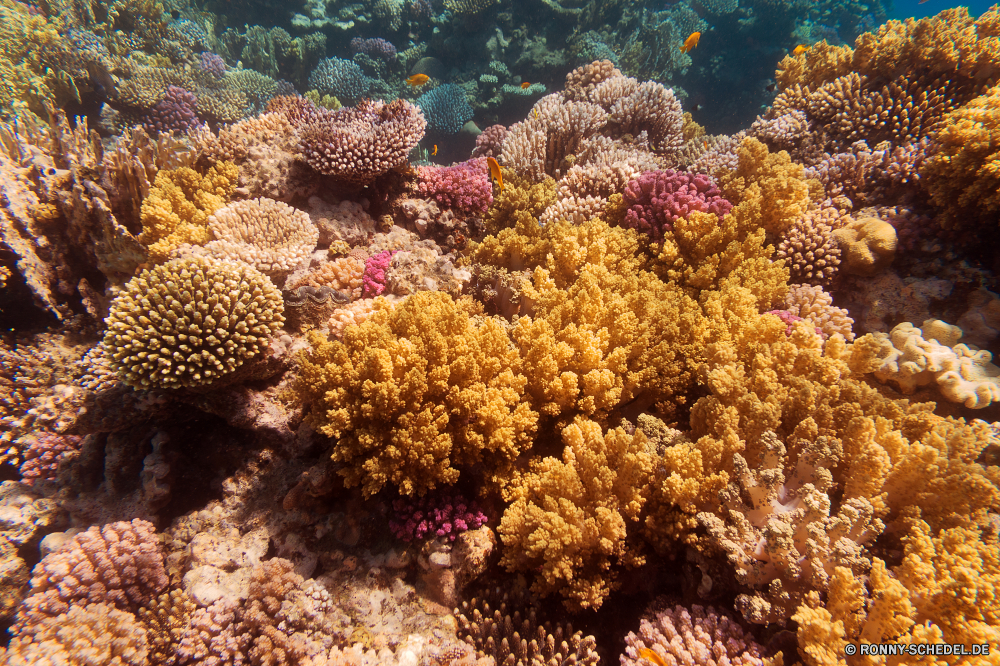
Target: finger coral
point(190, 322)
point(416, 393)
point(701, 637)
point(569, 518)
point(179, 203)
point(359, 143)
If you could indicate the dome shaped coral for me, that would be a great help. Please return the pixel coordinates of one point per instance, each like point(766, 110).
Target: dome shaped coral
point(190, 321)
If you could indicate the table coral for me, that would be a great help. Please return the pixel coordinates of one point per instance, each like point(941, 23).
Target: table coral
point(190, 322)
point(569, 518)
point(417, 393)
point(179, 204)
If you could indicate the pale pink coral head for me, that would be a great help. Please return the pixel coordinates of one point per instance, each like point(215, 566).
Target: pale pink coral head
point(464, 187)
point(657, 199)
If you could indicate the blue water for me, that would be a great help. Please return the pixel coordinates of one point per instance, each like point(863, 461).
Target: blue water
point(902, 9)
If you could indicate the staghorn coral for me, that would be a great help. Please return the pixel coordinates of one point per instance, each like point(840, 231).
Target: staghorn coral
point(120, 564)
point(962, 175)
point(269, 235)
point(417, 392)
point(190, 322)
point(358, 144)
point(179, 204)
point(569, 518)
point(810, 249)
point(701, 637)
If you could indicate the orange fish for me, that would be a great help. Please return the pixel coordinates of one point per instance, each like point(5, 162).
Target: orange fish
point(418, 79)
point(802, 48)
point(652, 657)
point(525, 85)
point(435, 151)
point(495, 171)
point(921, 2)
point(691, 42)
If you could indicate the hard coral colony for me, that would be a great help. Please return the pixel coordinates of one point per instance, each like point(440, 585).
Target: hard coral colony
point(277, 389)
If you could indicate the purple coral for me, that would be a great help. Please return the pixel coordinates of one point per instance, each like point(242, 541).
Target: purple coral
point(213, 64)
point(445, 515)
point(465, 187)
point(375, 47)
point(490, 142)
point(44, 452)
point(174, 112)
point(373, 280)
point(658, 198)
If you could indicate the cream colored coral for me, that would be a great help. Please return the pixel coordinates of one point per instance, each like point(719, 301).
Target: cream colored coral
point(812, 303)
point(269, 235)
point(341, 274)
point(569, 518)
point(911, 357)
point(355, 313)
point(190, 322)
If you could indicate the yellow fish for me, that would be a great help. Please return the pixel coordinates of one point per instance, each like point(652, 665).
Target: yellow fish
point(525, 85)
point(800, 49)
point(418, 79)
point(536, 112)
point(652, 657)
point(435, 151)
point(690, 42)
point(495, 171)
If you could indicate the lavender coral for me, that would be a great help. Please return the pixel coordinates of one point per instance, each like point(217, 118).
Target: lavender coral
point(375, 47)
point(657, 198)
point(176, 111)
point(465, 187)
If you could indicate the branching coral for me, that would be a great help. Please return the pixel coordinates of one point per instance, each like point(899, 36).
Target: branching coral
point(569, 518)
point(416, 393)
point(657, 198)
point(179, 203)
point(190, 322)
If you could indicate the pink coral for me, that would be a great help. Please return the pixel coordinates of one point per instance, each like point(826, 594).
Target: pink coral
point(657, 198)
point(444, 515)
point(360, 143)
point(490, 142)
point(699, 637)
point(789, 320)
point(465, 186)
point(119, 564)
point(44, 451)
point(373, 281)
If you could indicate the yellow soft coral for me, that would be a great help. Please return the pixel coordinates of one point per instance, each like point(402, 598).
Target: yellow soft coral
point(820, 63)
point(179, 203)
point(521, 200)
point(946, 590)
point(769, 188)
point(963, 177)
point(569, 518)
point(417, 392)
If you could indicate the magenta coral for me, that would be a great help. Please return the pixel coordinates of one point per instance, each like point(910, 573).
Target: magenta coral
point(444, 515)
point(176, 111)
point(465, 187)
point(373, 280)
point(657, 199)
point(43, 453)
point(490, 142)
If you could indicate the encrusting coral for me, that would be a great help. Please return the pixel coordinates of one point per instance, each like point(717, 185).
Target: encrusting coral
point(416, 393)
point(190, 322)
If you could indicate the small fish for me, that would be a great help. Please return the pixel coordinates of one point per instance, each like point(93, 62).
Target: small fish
point(705, 145)
point(525, 85)
point(802, 48)
point(771, 87)
point(495, 171)
point(690, 42)
point(921, 2)
point(418, 80)
point(697, 107)
point(649, 655)
point(435, 151)
point(536, 112)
